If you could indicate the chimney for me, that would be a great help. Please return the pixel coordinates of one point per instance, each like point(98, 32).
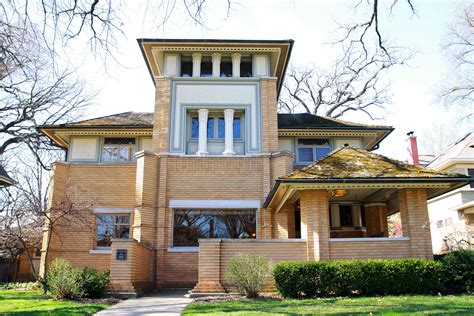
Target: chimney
point(412, 147)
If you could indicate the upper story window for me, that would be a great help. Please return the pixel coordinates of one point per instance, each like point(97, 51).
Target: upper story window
point(215, 131)
point(206, 66)
point(312, 149)
point(118, 149)
point(246, 66)
point(186, 66)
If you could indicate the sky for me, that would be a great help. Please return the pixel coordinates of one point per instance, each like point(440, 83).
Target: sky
point(125, 85)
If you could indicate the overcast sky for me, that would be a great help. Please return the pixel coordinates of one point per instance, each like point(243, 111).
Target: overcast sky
point(128, 87)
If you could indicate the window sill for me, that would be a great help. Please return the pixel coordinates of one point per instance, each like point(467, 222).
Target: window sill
point(183, 249)
point(100, 251)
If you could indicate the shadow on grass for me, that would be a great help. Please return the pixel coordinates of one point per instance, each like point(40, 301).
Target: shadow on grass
point(460, 305)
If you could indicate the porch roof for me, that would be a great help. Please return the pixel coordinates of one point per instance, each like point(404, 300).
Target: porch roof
point(356, 168)
point(5, 179)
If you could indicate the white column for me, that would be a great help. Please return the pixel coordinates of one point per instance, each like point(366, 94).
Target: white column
point(236, 65)
point(335, 220)
point(202, 143)
point(216, 64)
point(356, 215)
point(197, 64)
point(229, 132)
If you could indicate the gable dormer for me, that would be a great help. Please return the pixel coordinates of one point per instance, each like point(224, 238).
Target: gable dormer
point(216, 97)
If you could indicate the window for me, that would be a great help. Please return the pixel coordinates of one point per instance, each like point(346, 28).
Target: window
point(191, 225)
point(345, 215)
point(226, 66)
point(111, 226)
point(118, 150)
point(215, 130)
point(470, 172)
point(186, 66)
point(37, 253)
point(312, 149)
point(206, 66)
point(246, 67)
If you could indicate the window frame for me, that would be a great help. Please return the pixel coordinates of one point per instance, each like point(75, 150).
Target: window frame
point(129, 215)
point(313, 147)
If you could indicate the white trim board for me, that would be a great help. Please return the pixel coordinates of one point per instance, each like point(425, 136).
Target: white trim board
point(111, 210)
point(215, 204)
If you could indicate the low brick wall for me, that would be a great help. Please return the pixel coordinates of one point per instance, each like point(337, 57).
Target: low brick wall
point(135, 273)
point(214, 256)
point(369, 248)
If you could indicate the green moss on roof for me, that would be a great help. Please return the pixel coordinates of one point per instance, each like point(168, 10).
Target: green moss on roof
point(144, 119)
point(352, 163)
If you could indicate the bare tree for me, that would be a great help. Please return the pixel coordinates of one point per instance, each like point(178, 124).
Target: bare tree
point(354, 83)
point(31, 94)
point(100, 22)
point(460, 51)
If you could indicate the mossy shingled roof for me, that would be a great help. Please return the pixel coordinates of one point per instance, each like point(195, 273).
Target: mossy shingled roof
point(144, 119)
point(352, 163)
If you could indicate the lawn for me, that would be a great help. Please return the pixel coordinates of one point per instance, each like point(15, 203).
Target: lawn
point(389, 305)
point(32, 302)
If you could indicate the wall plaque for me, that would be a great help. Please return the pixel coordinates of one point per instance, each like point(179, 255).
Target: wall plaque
point(121, 254)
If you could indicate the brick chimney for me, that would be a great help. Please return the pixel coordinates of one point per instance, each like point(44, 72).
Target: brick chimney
point(412, 147)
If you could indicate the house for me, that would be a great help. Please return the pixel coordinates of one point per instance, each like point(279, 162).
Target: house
point(452, 214)
point(5, 179)
point(172, 195)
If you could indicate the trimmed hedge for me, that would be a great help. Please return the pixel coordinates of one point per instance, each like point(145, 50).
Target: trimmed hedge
point(458, 271)
point(358, 277)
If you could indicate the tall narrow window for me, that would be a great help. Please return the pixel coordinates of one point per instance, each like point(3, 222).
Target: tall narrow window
point(118, 149)
point(210, 127)
point(194, 127)
point(111, 226)
point(186, 66)
point(206, 66)
point(246, 67)
point(345, 215)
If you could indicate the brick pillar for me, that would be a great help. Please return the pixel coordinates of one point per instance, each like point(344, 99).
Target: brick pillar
point(162, 115)
point(144, 223)
point(415, 221)
point(269, 105)
point(376, 219)
point(209, 275)
point(315, 223)
point(162, 222)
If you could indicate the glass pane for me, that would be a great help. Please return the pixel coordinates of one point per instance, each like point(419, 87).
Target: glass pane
point(194, 127)
point(313, 141)
point(237, 127)
point(210, 127)
point(221, 128)
point(305, 154)
point(125, 154)
point(105, 230)
point(345, 214)
point(470, 172)
point(110, 154)
point(322, 152)
point(190, 225)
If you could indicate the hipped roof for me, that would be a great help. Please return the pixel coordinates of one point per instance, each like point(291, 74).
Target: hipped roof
point(5, 179)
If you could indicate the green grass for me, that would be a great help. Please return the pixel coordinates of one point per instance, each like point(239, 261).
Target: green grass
point(32, 302)
point(389, 305)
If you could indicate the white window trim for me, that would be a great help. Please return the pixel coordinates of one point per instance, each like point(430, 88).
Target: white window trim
point(107, 210)
point(100, 251)
point(183, 249)
point(215, 204)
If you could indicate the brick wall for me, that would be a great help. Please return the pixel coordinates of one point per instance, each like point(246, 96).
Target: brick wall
point(92, 186)
point(214, 256)
point(380, 249)
point(162, 114)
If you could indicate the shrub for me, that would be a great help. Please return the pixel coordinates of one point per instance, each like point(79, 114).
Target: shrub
point(94, 283)
point(63, 280)
point(248, 273)
point(19, 286)
point(458, 271)
point(358, 277)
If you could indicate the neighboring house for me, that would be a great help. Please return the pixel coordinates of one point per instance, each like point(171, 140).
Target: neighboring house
point(209, 174)
point(5, 179)
point(452, 214)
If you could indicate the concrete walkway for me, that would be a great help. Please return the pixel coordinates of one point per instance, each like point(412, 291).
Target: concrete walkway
point(170, 302)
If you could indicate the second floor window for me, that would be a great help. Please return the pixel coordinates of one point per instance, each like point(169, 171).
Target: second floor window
point(214, 130)
point(118, 149)
point(312, 149)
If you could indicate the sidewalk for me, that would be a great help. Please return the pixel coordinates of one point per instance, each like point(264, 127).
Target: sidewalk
point(170, 302)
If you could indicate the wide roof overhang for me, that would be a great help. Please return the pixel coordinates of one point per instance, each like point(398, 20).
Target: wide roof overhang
point(284, 190)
